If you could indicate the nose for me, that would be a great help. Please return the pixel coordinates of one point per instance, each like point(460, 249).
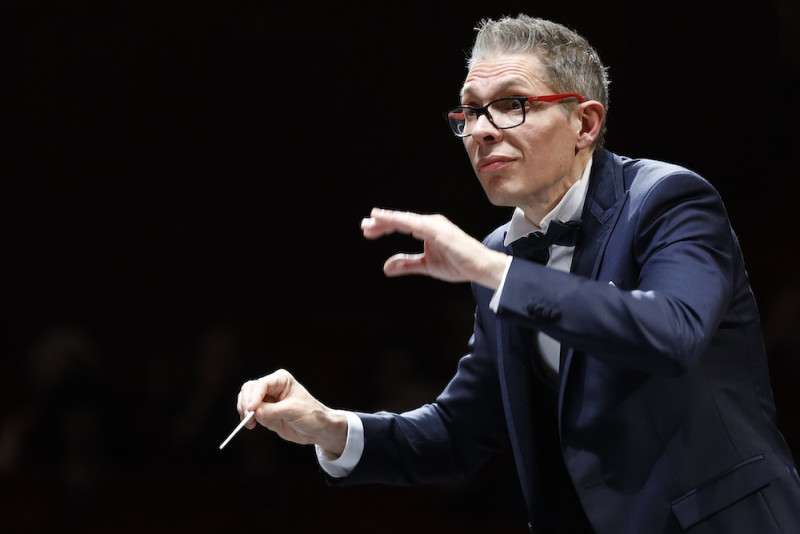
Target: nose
point(484, 131)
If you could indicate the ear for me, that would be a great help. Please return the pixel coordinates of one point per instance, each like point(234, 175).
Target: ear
point(591, 115)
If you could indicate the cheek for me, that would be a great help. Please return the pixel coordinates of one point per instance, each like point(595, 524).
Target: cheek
point(471, 150)
point(550, 144)
point(469, 146)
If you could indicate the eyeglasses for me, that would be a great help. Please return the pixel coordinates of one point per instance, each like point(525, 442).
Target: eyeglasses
point(503, 113)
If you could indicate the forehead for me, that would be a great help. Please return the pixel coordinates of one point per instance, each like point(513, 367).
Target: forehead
point(505, 72)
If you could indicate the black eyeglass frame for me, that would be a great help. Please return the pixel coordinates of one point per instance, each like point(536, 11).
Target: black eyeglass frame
point(449, 116)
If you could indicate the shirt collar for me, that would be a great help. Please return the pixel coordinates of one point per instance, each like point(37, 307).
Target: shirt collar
point(570, 207)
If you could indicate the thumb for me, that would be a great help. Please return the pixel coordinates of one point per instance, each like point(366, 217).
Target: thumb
point(404, 264)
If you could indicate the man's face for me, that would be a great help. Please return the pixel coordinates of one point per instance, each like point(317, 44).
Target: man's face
point(532, 165)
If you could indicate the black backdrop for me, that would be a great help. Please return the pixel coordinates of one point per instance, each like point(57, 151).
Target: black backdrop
point(182, 190)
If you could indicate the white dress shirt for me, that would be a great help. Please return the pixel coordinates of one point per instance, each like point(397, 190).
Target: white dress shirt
point(569, 208)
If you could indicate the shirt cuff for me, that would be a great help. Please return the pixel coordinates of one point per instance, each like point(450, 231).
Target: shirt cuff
point(495, 302)
point(353, 449)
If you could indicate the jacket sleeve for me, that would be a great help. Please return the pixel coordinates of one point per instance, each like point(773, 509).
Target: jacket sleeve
point(439, 442)
point(664, 281)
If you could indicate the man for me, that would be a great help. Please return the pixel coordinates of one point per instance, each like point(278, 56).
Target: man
point(624, 363)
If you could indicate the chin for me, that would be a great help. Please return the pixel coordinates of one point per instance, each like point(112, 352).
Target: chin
point(498, 194)
point(495, 191)
point(500, 200)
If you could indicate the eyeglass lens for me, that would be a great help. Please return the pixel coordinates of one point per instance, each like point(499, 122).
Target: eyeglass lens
point(503, 113)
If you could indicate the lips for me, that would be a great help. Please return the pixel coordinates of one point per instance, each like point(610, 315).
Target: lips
point(493, 163)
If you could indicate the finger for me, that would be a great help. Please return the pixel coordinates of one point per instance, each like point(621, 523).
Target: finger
point(269, 387)
point(405, 264)
point(402, 221)
point(375, 227)
point(371, 230)
point(250, 395)
point(243, 402)
point(382, 222)
point(252, 423)
point(243, 412)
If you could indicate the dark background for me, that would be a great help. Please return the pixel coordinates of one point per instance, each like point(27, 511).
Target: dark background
point(182, 190)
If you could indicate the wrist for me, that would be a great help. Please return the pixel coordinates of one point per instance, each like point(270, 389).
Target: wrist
point(334, 437)
point(493, 270)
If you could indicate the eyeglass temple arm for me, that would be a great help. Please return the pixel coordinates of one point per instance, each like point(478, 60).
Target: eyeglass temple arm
point(555, 98)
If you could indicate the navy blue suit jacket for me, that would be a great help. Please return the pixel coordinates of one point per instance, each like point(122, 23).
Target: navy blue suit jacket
point(665, 411)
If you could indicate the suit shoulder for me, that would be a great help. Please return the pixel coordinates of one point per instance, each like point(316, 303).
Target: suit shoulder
point(642, 176)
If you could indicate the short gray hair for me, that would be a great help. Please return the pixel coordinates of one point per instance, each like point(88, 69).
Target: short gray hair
point(571, 64)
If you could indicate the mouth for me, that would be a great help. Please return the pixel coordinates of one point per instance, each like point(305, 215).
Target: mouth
point(493, 163)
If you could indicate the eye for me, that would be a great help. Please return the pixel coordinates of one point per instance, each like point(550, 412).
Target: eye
point(508, 105)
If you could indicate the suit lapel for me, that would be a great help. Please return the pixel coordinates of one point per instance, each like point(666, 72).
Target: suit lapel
point(600, 212)
point(602, 208)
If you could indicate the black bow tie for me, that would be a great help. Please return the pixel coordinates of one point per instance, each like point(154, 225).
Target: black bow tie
point(535, 246)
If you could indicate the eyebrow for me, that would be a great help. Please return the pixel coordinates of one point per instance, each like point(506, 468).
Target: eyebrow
point(504, 86)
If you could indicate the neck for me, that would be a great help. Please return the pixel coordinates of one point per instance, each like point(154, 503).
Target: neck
point(545, 203)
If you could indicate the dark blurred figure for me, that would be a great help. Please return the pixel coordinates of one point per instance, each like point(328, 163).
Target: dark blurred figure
point(204, 416)
point(59, 442)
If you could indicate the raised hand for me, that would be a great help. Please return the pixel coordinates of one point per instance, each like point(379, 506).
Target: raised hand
point(448, 254)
